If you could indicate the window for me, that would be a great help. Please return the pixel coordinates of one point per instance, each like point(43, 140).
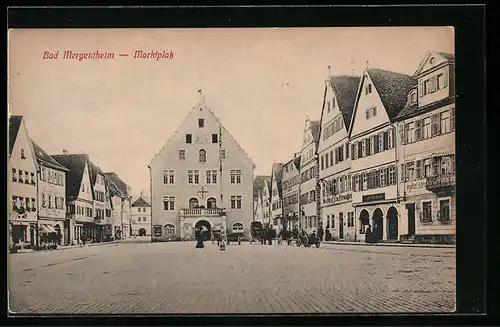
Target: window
point(363, 144)
point(390, 138)
point(168, 203)
point(331, 158)
point(427, 211)
point(168, 177)
point(193, 203)
point(201, 122)
point(427, 168)
point(410, 171)
point(20, 176)
point(211, 176)
point(50, 201)
point(322, 162)
point(382, 177)
point(14, 175)
point(426, 128)
point(419, 169)
point(410, 130)
point(327, 161)
point(235, 176)
point(211, 203)
point(236, 202)
point(440, 82)
point(360, 149)
point(215, 138)
point(392, 175)
point(348, 180)
point(169, 229)
point(354, 151)
point(427, 87)
point(191, 176)
point(22, 154)
point(368, 146)
point(445, 122)
point(189, 138)
point(365, 180)
point(203, 156)
point(223, 154)
point(237, 227)
point(368, 89)
point(182, 154)
point(444, 211)
point(452, 119)
point(381, 142)
point(413, 98)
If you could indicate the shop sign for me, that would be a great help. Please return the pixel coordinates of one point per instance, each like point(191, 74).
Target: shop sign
point(332, 199)
point(416, 185)
point(373, 197)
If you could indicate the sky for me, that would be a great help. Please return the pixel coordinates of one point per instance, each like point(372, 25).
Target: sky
point(261, 83)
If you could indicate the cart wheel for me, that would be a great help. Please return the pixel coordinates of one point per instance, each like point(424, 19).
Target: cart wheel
point(317, 245)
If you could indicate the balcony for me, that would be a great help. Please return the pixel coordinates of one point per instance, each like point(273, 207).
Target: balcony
point(200, 212)
point(440, 182)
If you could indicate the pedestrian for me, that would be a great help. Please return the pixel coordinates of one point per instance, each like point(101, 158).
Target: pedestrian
point(369, 235)
point(199, 238)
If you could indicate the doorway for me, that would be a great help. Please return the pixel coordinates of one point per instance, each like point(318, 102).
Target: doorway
point(341, 226)
point(142, 232)
point(410, 207)
point(392, 223)
point(378, 224)
point(208, 227)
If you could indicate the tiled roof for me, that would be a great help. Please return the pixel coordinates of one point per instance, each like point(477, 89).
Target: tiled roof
point(76, 164)
point(114, 190)
point(259, 184)
point(278, 173)
point(393, 89)
point(42, 156)
point(14, 125)
point(345, 88)
point(447, 56)
point(119, 182)
point(140, 202)
point(414, 110)
point(315, 128)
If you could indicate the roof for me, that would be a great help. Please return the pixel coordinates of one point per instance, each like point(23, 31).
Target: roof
point(42, 156)
point(114, 190)
point(315, 129)
point(76, 165)
point(140, 202)
point(14, 125)
point(414, 110)
point(119, 182)
point(278, 174)
point(345, 88)
point(447, 56)
point(259, 184)
point(392, 88)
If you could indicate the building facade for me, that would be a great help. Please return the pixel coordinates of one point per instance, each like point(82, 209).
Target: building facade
point(125, 229)
point(52, 217)
point(260, 183)
point(381, 96)
point(22, 187)
point(290, 189)
point(201, 177)
point(309, 177)
point(426, 129)
point(276, 197)
point(334, 157)
point(79, 196)
point(141, 218)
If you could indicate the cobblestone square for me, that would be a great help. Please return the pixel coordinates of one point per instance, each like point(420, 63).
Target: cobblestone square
point(165, 278)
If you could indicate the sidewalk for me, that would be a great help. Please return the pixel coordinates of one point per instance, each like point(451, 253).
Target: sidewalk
point(67, 247)
point(390, 244)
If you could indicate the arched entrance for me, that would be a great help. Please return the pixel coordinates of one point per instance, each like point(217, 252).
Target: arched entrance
point(392, 224)
point(211, 203)
point(193, 203)
point(142, 232)
point(378, 224)
point(208, 233)
point(364, 221)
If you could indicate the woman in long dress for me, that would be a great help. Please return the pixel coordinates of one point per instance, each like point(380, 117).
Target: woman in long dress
point(199, 238)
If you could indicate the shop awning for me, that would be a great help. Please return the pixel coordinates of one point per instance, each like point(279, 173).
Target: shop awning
point(47, 229)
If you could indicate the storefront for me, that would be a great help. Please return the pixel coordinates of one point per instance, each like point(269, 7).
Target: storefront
point(383, 218)
point(51, 231)
point(338, 217)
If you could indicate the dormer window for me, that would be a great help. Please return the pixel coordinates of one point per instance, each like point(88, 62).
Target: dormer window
point(413, 97)
point(368, 89)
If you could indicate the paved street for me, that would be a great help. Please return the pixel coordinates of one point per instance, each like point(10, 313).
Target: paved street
point(251, 278)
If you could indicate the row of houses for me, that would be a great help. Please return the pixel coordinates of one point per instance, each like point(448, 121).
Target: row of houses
point(63, 198)
point(382, 156)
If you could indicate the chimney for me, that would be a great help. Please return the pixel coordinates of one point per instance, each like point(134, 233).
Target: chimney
point(65, 151)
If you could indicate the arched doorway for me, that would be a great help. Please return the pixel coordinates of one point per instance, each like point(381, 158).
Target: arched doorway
point(364, 221)
point(392, 224)
point(378, 224)
point(211, 203)
point(193, 203)
point(142, 232)
point(208, 233)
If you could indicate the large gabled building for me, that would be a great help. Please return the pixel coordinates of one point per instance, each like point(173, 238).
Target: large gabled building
point(334, 158)
point(141, 218)
point(426, 127)
point(380, 98)
point(201, 176)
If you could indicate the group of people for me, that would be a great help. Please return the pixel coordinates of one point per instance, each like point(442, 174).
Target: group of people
point(370, 236)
